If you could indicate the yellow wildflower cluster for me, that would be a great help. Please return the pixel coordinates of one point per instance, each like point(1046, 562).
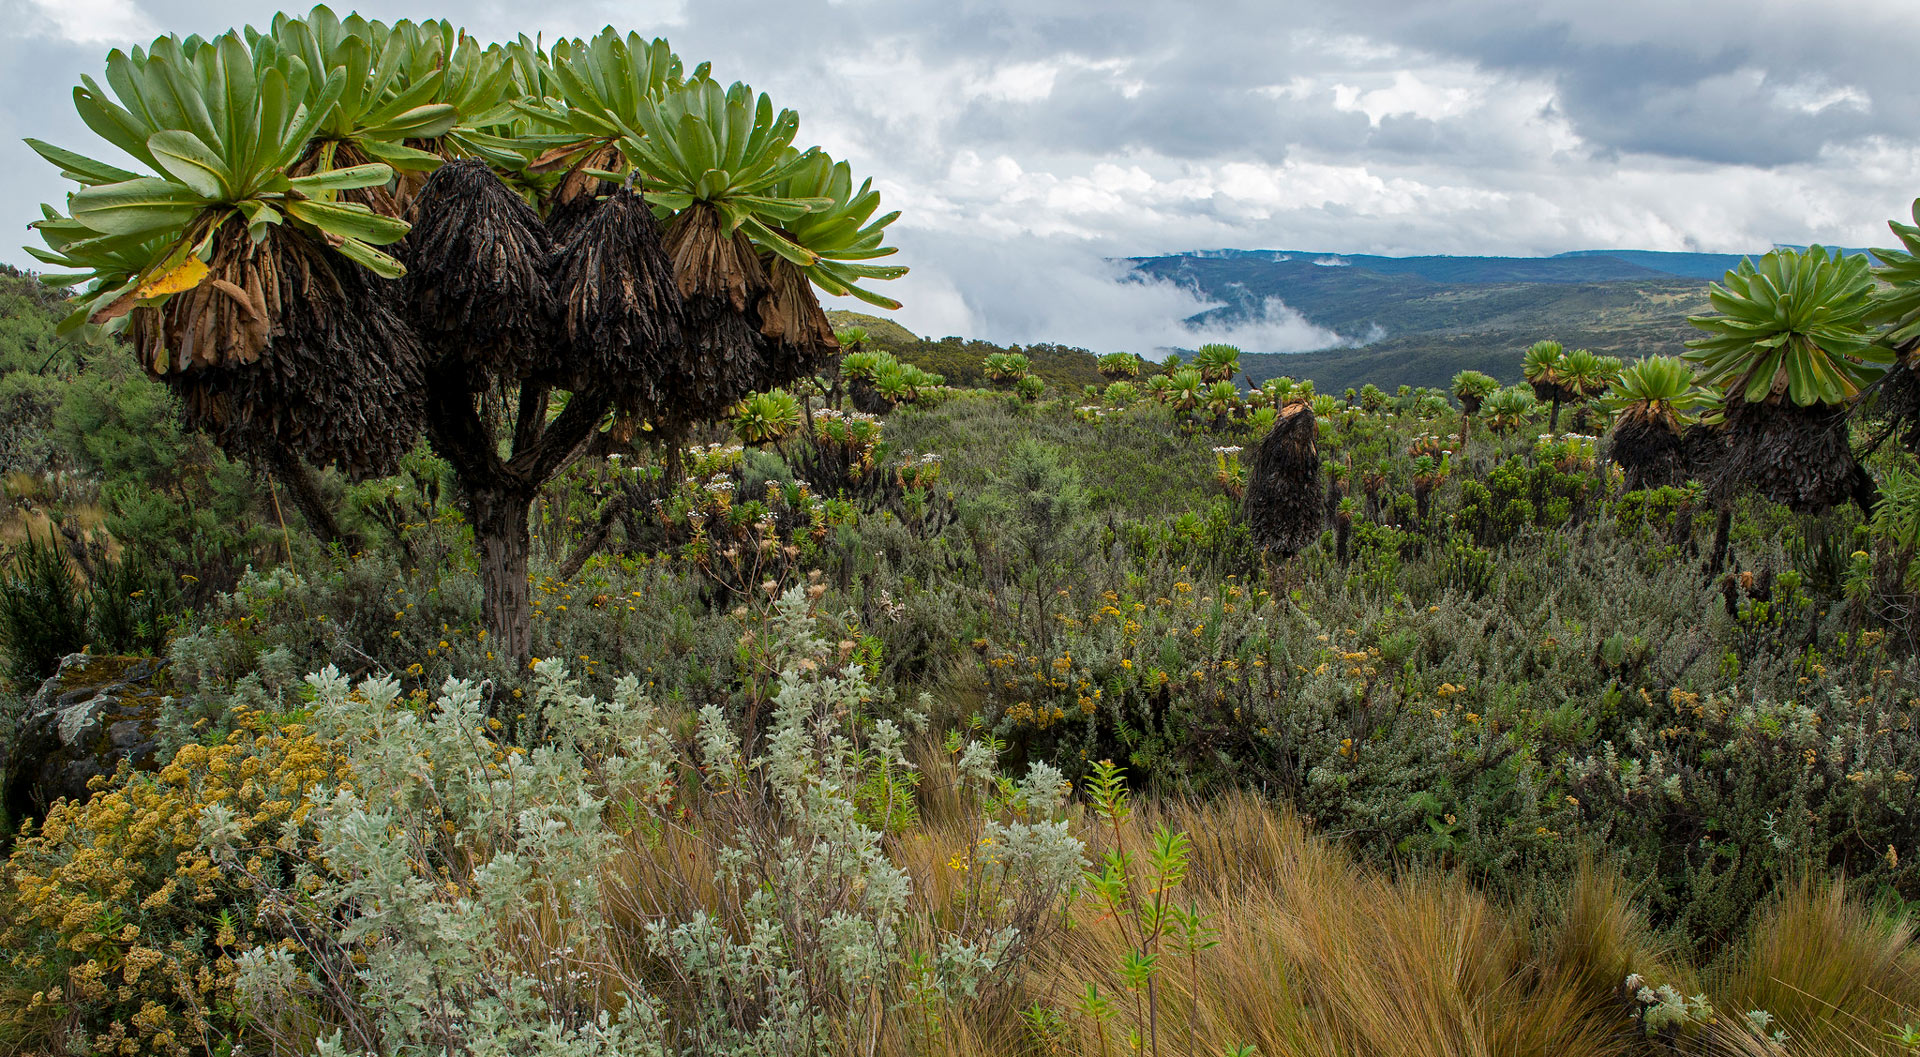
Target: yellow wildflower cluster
point(1025, 713)
point(125, 928)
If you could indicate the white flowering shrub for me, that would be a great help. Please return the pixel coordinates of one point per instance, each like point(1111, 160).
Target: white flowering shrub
point(615, 890)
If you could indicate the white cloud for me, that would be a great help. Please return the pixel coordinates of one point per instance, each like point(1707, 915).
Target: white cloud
point(1815, 94)
point(91, 21)
point(1026, 143)
point(1033, 289)
point(1022, 82)
point(1433, 95)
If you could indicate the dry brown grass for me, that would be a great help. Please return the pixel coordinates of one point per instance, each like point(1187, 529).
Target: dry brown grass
point(1319, 956)
point(1836, 973)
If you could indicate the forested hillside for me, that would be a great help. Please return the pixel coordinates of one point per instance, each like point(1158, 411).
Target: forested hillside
point(958, 359)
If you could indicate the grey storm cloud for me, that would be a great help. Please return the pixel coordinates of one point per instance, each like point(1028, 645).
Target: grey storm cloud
point(1029, 143)
point(1763, 83)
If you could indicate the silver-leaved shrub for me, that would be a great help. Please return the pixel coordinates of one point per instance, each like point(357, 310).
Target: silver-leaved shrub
point(622, 889)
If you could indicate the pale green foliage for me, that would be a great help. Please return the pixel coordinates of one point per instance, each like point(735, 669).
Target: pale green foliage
point(469, 900)
point(766, 418)
point(1791, 326)
point(1656, 387)
point(1586, 373)
point(1476, 384)
point(436, 960)
point(1006, 368)
point(1187, 388)
point(1510, 408)
point(1541, 364)
point(1896, 305)
point(1216, 362)
point(1118, 366)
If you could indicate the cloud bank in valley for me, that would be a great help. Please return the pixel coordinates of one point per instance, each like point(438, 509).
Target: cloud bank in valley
point(1029, 144)
point(1031, 289)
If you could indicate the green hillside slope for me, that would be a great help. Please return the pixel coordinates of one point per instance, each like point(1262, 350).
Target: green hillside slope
point(1061, 366)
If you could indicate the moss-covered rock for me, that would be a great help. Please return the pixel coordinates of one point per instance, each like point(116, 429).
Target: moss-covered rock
point(93, 713)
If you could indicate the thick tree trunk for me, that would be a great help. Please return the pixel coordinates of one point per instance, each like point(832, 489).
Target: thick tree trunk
point(1721, 534)
point(498, 492)
point(499, 519)
point(596, 539)
point(304, 489)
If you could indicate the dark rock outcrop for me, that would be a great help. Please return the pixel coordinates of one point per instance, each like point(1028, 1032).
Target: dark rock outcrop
point(94, 713)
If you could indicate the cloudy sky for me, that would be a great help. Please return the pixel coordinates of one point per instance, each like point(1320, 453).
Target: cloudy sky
point(1030, 141)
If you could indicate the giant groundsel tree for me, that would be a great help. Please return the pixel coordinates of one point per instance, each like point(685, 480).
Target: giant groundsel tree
point(1897, 306)
point(344, 234)
point(1790, 353)
point(1656, 403)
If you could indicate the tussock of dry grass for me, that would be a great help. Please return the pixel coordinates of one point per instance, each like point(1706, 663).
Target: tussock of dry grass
point(1835, 973)
point(1319, 956)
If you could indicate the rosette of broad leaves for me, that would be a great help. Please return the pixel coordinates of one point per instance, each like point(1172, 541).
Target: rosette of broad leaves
point(217, 124)
point(1896, 306)
point(894, 383)
point(581, 98)
point(1472, 388)
point(1217, 362)
point(1119, 366)
point(1223, 399)
point(839, 228)
point(862, 370)
point(1658, 389)
point(250, 289)
point(1510, 409)
point(766, 418)
point(1540, 366)
point(1005, 368)
point(703, 148)
point(921, 382)
point(1655, 402)
point(841, 232)
point(379, 106)
point(480, 82)
point(1790, 327)
point(711, 159)
point(1187, 388)
point(1585, 373)
point(1789, 352)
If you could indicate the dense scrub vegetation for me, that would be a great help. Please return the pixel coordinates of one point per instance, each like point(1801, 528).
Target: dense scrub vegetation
point(961, 361)
point(1503, 684)
point(563, 642)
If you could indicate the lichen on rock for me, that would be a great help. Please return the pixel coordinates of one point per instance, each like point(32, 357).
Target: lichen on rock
point(95, 712)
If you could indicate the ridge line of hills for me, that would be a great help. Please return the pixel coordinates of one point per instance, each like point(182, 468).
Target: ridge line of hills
point(1405, 320)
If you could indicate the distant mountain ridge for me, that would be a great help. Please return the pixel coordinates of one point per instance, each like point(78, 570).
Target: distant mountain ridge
point(1418, 320)
point(1573, 266)
point(1405, 320)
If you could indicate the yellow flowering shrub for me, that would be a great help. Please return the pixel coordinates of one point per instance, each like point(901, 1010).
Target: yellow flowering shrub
point(120, 934)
